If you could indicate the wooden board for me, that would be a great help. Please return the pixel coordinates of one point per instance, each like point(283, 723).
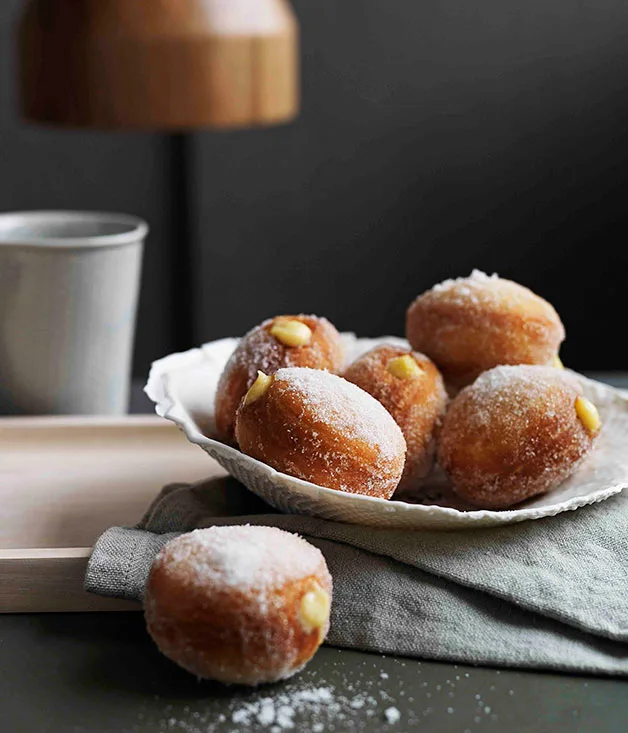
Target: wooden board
point(65, 480)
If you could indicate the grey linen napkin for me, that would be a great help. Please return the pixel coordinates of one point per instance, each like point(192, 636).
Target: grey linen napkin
point(545, 594)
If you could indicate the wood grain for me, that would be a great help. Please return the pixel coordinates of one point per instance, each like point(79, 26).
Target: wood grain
point(65, 480)
point(167, 64)
point(50, 581)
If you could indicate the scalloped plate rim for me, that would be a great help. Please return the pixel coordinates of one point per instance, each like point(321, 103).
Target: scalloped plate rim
point(166, 407)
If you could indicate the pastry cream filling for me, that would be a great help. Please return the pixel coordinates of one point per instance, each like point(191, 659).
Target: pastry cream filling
point(258, 388)
point(588, 414)
point(291, 332)
point(404, 367)
point(314, 609)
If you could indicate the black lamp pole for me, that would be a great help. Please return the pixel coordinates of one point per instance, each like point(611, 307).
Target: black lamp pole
point(180, 146)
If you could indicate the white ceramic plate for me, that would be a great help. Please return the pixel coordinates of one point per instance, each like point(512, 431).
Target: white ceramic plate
point(183, 387)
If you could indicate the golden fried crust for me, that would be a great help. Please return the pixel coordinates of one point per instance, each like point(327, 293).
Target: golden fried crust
point(259, 350)
point(513, 434)
point(228, 639)
point(340, 437)
point(474, 324)
point(244, 635)
point(417, 405)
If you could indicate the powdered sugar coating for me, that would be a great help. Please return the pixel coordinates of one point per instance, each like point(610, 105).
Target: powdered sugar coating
point(417, 405)
point(514, 433)
point(330, 399)
point(477, 277)
point(520, 387)
point(469, 325)
point(244, 556)
point(321, 428)
point(482, 291)
point(259, 350)
point(224, 602)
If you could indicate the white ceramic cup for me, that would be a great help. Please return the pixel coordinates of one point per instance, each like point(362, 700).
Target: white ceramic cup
point(69, 285)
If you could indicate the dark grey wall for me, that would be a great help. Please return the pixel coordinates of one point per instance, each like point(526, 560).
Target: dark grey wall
point(435, 137)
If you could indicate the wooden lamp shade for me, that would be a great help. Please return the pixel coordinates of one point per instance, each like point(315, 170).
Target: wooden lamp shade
point(159, 64)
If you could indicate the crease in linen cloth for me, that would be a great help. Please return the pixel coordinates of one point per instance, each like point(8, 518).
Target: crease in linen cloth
point(545, 594)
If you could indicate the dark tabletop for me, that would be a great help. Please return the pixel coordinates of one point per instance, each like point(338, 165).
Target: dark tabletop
point(97, 673)
point(91, 673)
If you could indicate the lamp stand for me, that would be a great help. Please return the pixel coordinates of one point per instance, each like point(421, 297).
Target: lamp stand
point(180, 153)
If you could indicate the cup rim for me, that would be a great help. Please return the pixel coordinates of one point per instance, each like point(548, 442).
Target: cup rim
point(137, 228)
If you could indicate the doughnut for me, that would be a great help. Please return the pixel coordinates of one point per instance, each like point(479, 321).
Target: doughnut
point(472, 324)
point(411, 388)
point(239, 604)
point(516, 432)
point(284, 341)
point(318, 427)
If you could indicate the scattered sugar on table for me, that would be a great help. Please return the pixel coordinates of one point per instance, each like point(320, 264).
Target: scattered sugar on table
point(392, 715)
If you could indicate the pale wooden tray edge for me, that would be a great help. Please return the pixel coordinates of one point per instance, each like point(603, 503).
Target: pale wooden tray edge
point(50, 580)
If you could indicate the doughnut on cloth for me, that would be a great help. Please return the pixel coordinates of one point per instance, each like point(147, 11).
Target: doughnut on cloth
point(550, 594)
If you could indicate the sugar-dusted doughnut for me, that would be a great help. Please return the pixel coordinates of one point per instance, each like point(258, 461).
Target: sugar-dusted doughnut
point(284, 341)
point(472, 324)
point(321, 428)
point(239, 604)
point(516, 432)
point(411, 388)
